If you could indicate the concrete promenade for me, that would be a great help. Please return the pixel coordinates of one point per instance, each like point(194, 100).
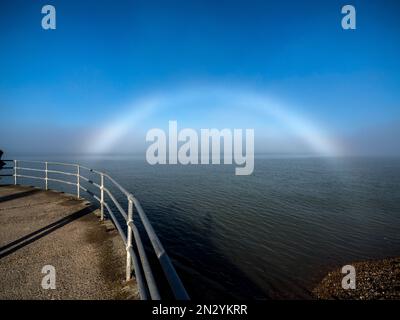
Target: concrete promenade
point(39, 228)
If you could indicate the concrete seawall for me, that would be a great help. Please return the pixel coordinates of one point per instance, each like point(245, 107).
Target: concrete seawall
point(39, 228)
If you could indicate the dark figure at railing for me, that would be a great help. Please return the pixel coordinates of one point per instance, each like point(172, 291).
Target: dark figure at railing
point(2, 163)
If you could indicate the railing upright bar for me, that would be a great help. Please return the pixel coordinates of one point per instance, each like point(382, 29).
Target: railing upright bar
point(129, 241)
point(77, 182)
point(46, 179)
point(102, 197)
point(15, 172)
point(138, 273)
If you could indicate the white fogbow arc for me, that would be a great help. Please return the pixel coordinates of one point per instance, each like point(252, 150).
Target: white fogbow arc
point(264, 106)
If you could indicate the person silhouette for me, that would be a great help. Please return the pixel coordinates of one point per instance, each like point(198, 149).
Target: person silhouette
point(2, 163)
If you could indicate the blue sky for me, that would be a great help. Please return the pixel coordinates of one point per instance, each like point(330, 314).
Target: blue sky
point(105, 54)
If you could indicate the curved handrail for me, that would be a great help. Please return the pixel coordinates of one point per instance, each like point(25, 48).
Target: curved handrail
point(146, 283)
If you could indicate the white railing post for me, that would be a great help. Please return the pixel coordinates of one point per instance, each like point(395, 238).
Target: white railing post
point(15, 172)
point(102, 197)
point(129, 240)
point(77, 182)
point(46, 176)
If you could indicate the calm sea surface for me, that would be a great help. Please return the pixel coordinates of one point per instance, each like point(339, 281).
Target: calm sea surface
point(273, 234)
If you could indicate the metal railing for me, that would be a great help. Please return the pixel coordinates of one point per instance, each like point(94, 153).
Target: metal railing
point(147, 285)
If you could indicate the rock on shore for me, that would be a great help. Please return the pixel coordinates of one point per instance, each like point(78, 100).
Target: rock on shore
point(375, 279)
